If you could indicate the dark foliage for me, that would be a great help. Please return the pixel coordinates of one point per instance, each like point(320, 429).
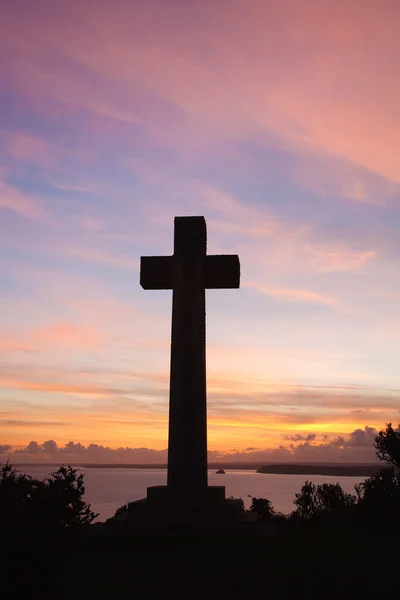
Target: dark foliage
point(122, 509)
point(52, 506)
point(263, 507)
point(38, 521)
point(239, 503)
point(322, 502)
point(379, 499)
point(387, 445)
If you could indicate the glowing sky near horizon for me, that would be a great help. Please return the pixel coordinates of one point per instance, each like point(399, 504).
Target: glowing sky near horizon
point(279, 121)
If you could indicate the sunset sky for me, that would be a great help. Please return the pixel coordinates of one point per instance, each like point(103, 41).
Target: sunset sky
point(279, 121)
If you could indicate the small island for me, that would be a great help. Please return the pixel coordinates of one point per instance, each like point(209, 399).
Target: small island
point(220, 472)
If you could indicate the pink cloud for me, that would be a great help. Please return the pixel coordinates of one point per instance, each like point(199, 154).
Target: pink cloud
point(292, 295)
point(67, 334)
point(104, 258)
point(23, 147)
point(338, 258)
point(13, 200)
point(274, 241)
point(315, 80)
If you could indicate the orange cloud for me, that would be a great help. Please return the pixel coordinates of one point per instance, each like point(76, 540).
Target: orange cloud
point(68, 334)
point(115, 407)
point(12, 346)
point(357, 446)
point(60, 388)
point(62, 335)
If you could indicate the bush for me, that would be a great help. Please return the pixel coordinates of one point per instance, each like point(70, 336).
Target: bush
point(61, 500)
point(379, 498)
point(121, 510)
point(239, 503)
point(327, 501)
point(53, 505)
point(38, 520)
point(387, 445)
point(263, 507)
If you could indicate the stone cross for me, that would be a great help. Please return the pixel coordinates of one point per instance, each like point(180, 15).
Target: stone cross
point(189, 272)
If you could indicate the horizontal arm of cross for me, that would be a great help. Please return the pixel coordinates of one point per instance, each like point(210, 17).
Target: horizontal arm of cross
point(220, 272)
point(157, 272)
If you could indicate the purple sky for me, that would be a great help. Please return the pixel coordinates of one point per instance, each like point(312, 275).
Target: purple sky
point(277, 121)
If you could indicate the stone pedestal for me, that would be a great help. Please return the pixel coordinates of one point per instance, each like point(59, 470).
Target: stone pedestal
point(164, 496)
point(185, 512)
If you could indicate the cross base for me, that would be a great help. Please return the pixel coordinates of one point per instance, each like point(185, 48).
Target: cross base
point(186, 511)
point(164, 496)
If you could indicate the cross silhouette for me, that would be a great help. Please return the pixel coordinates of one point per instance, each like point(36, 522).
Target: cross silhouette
point(188, 272)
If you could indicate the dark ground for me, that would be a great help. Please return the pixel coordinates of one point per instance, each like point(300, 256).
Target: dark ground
point(308, 564)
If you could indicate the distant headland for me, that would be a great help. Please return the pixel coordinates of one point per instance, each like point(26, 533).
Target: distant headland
point(334, 470)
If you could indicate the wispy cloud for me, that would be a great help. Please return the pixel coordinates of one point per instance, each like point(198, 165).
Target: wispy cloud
point(15, 201)
point(292, 295)
point(342, 258)
point(216, 88)
point(285, 244)
point(80, 390)
point(234, 215)
point(132, 401)
point(69, 334)
point(103, 258)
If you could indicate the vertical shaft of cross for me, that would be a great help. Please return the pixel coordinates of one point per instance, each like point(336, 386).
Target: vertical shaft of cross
point(189, 272)
point(187, 445)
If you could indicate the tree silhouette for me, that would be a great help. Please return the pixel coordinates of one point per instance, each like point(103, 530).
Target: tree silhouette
point(327, 500)
point(39, 519)
point(263, 508)
point(55, 503)
point(387, 445)
point(379, 498)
